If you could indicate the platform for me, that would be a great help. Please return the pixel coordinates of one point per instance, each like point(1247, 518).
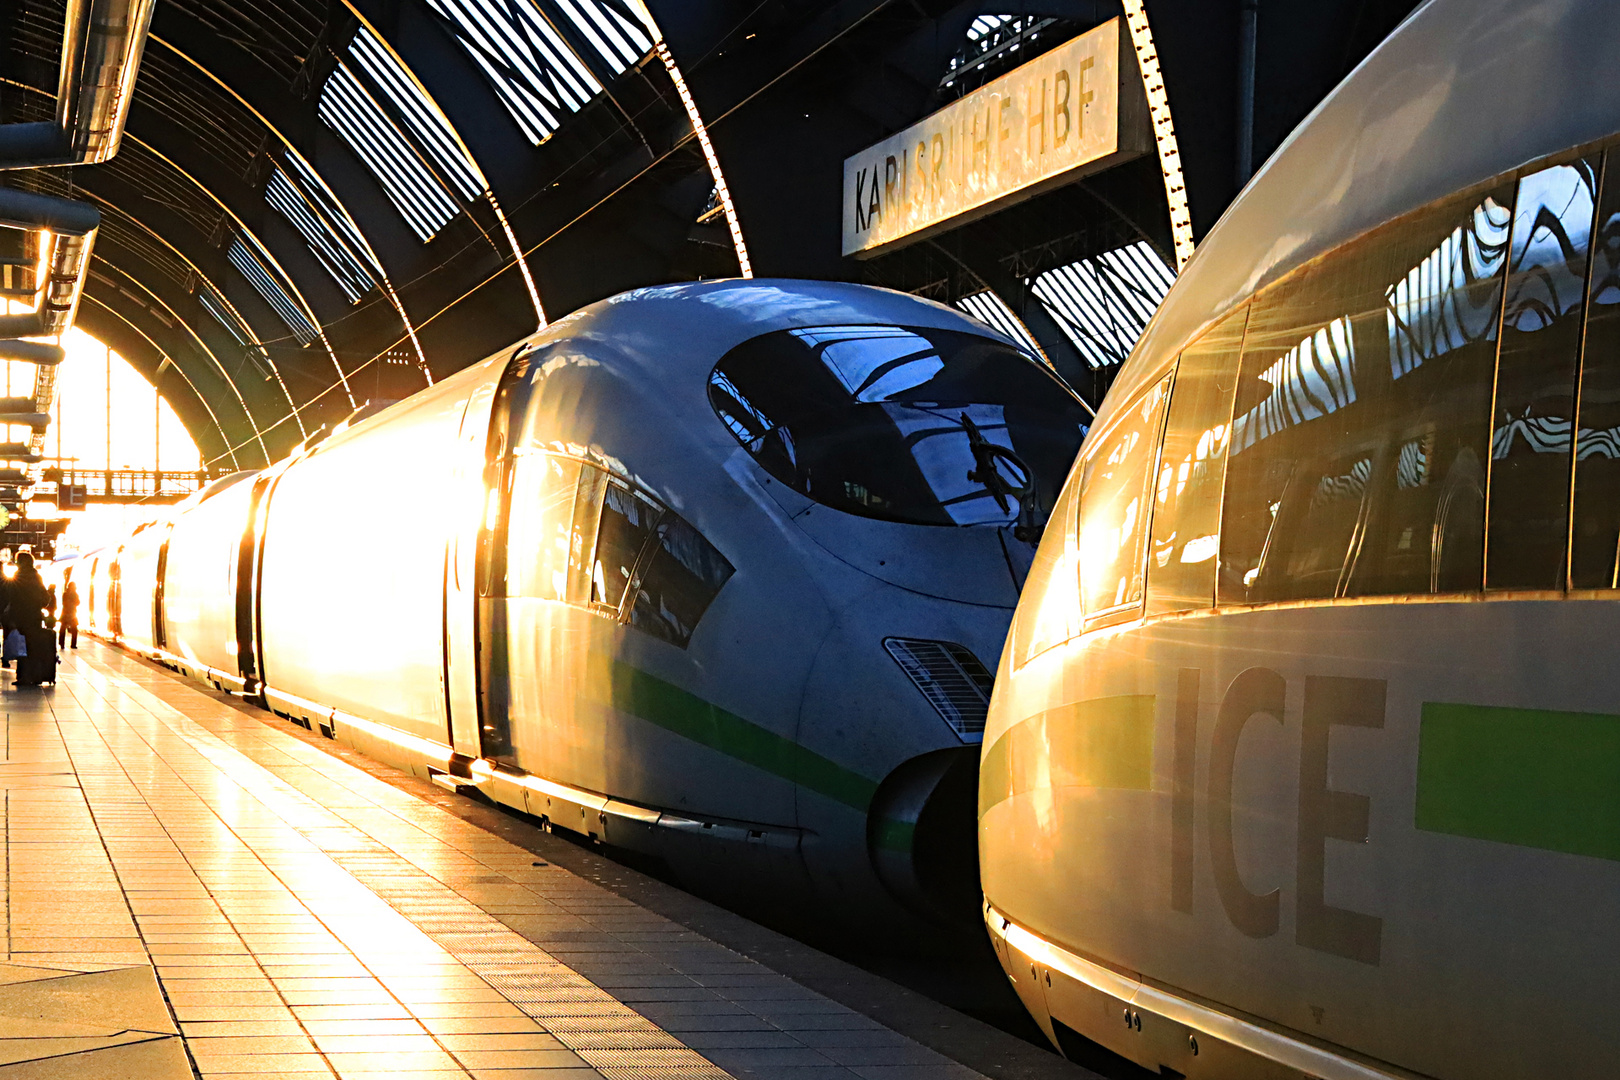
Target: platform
point(191, 883)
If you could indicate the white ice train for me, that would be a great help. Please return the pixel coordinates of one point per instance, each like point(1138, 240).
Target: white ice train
point(1304, 756)
point(698, 571)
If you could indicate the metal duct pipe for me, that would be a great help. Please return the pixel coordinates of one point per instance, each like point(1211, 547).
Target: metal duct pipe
point(31, 352)
point(64, 281)
point(102, 42)
point(71, 226)
point(26, 210)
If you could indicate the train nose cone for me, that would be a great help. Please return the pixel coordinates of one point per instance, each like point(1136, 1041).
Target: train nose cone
point(922, 834)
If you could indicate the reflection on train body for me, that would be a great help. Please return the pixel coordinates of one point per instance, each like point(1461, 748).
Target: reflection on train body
point(1302, 757)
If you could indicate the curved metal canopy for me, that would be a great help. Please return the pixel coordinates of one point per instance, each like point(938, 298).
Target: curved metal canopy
point(315, 204)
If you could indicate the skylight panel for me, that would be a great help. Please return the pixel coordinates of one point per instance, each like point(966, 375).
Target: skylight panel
point(991, 310)
point(987, 24)
point(410, 186)
point(317, 194)
point(216, 305)
point(992, 41)
point(253, 264)
point(611, 28)
point(433, 133)
point(537, 76)
point(328, 248)
point(1104, 303)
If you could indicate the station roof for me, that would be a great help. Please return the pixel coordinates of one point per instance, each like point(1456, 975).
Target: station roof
point(320, 202)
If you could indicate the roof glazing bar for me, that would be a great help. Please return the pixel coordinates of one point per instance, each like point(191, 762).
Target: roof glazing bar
point(431, 130)
point(415, 192)
point(532, 69)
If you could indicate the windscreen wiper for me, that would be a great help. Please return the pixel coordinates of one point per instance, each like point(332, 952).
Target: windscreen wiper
point(985, 473)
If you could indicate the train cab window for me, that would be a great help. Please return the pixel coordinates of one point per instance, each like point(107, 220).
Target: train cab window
point(1359, 433)
point(1531, 439)
point(1595, 538)
point(923, 426)
point(541, 526)
point(627, 521)
point(679, 576)
point(1115, 504)
point(1192, 471)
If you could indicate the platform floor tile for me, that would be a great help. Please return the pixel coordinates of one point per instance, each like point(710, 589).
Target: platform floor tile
point(296, 915)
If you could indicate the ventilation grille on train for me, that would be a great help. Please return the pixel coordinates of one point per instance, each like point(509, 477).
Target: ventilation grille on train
point(950, 677)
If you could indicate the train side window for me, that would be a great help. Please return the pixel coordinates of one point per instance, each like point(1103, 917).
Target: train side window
point(1595, 538)
point(1192, 471)
point(626, 524)
point(1362, 415)
point(541, 524)
point(1114, 507)
point(1049, 610)
point(677, 578)
point(582, 533)
point(1531, 433)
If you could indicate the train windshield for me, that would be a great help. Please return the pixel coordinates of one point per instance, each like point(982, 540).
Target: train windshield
point(923, 426)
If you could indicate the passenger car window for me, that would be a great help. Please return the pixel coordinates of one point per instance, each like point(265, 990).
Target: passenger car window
point(929, 427)
point(1531, 439)
point(679, 577)
point(582, 533)
point(1114, 506)
point(541, 525)
point(1595, 538)
point(1192, 470)
point(579, 535)
point(626, 523)
point(1359, 433)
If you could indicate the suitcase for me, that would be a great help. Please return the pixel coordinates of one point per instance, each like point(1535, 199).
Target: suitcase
point(39, 666)
point(45, 672)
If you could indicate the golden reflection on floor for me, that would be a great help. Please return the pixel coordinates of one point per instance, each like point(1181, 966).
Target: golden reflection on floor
point(303, 917)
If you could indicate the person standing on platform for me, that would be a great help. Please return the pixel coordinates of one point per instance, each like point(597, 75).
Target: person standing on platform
point(70, 614)
point(5, 605)
point(29, 603)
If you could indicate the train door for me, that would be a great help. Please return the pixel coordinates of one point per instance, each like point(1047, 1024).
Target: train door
point(245, 577)
point(115, 597)
point(160, 638)
point(461, 687)
point(494, 668)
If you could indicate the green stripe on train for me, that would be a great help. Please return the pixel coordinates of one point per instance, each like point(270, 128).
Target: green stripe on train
point(1530, 777)
point(673, 709)
point(892, 835)
point(1100, 743)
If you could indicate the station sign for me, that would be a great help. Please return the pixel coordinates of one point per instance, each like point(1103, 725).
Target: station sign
point(1077, 109)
